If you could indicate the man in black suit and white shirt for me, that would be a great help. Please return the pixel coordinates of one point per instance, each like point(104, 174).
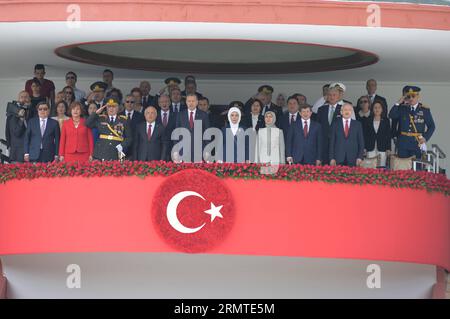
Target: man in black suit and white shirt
point(168, 119)
point(304, 139)
point(177, 102)
point(150, 139)
point(133, 118)
point(326, 115)
point(191, 118)
point(41, 142)
point(347, 139)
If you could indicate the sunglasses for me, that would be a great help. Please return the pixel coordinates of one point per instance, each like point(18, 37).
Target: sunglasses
point(132, 102)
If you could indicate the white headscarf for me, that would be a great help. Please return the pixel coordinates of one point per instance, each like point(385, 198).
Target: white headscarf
point(234, 127)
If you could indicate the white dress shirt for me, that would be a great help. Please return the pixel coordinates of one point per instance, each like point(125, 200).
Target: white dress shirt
point(152, 127)
point(176, 106)
point(349, 121)
point(129, 114)
point(295, 117)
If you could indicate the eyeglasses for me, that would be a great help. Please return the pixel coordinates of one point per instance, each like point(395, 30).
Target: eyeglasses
point(132, 102)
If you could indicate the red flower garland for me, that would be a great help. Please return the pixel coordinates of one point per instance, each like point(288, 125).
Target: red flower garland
point(328, 174)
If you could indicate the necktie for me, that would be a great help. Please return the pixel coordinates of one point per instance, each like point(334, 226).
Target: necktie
point(112, 118)
point(346, 129)
point(149, 132)
point(129, 115)
point(144, 101)
point(305, 129)
point(292, 119)
point(412, 109)
point(165, 119)
point(330, 115)
point(42, 127)
point(191, 120)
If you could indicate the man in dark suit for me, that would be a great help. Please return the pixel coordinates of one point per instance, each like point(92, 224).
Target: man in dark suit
point(41, 141)
point(326, 115)
point(134, 118)
point(371, 87)
point(191, 119)
point(150, 139)
point(291, 116)
point(347, 139)
point(168, 119)
point(190, 86)
point(177, 104)
point(265, 93)
point(304, 139)
point(147, 99)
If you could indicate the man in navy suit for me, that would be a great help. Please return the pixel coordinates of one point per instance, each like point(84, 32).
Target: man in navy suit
point(41, 141)
point(347, 139)
point(290, 117)
point(134, 118)
point(168, 119)
point(177, 103)
point(326, 115)
point(150, 139)
point(190, 119)
point(304, 139)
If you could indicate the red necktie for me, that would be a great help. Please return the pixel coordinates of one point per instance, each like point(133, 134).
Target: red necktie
point(149, 132)
point(165, 119)
point(191, 120)
point(305, 129)
point(346, 129)
point(292, 119)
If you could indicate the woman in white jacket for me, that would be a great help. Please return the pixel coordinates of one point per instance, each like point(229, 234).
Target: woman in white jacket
point(270, 142)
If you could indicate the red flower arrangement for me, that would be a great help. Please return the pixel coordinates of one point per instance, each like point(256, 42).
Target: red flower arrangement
point(328, 174)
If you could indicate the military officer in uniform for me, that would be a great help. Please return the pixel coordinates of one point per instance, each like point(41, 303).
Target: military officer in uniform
point(113, 131)
point(416, 125)
point(171, 83)
point(96, 96)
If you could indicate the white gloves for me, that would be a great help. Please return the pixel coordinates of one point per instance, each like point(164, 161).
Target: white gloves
point(119, 148)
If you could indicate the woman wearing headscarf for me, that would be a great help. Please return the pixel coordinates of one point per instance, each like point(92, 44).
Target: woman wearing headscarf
point(235, 142)
point(270, 142)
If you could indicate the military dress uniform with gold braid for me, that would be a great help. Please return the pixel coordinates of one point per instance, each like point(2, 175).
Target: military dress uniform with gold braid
point(111, 134)
point(413, 124)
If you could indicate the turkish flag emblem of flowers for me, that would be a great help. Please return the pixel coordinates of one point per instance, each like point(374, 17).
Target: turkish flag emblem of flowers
point(193, 211)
